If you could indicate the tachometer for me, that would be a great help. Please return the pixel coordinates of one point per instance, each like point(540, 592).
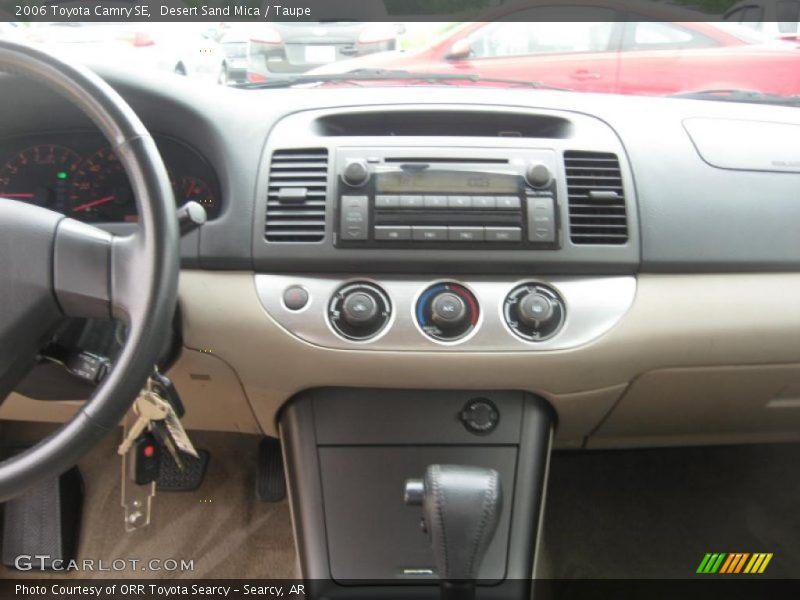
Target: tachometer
point(40, 175)
point(100, 190)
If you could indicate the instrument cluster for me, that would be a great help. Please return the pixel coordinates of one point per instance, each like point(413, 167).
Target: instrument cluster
point(78, 174)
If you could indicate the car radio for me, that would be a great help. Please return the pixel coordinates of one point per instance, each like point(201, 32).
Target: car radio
point(463, 198)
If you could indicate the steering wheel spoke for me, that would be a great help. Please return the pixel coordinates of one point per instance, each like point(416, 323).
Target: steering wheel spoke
point(82, 270)
point(96, 274)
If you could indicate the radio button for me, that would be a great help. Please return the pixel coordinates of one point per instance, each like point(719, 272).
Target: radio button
point(429, 234)
point(393, 233)
point(503, 234)
point(465, 234)
point(435, 201)
point(541, 219)
point(508, 202)
point(353, 218)
point(387, 201)
point(411, 202)
point(484, 202)
point(459, 202)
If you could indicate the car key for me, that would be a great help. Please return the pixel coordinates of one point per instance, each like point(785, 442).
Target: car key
point(148, 407)
point(171, 425)
point(137, 499)
point(146, 457)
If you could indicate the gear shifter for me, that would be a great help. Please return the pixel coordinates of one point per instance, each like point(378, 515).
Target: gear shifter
point(460, 510)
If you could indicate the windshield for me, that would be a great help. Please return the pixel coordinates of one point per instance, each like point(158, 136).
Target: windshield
point(644, 48)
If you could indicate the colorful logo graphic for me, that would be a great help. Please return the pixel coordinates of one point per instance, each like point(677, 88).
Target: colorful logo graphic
point(734, 563)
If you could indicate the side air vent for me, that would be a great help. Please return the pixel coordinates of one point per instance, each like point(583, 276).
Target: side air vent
point(597, 212)
point(298, 185)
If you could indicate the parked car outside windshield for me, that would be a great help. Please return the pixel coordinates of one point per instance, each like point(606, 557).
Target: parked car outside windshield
point(595, 46)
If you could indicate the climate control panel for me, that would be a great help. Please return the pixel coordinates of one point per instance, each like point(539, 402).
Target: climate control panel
point(476, 314)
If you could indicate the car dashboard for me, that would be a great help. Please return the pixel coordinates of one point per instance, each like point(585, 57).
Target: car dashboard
point(613, 255)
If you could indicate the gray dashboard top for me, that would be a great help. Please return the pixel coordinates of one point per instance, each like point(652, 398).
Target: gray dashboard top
point(693, 217)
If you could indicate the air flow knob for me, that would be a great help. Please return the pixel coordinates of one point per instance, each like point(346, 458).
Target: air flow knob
point(538, 175)
point(356, 173)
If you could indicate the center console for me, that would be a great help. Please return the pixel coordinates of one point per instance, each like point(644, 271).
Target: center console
point(434, 229)
point(349, 454)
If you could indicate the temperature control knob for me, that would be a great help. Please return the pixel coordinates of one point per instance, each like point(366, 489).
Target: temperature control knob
point(359, 311)
point(538, 175)
point(356, 173)
point(534, 312)
point(447, 312)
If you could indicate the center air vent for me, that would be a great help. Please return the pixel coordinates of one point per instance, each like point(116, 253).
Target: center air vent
point(597, 212)
point(298, 182)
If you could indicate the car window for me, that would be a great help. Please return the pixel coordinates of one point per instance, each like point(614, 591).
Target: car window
point(530, 33)
point(645, 35)
point(788, 15)
point(752, 16)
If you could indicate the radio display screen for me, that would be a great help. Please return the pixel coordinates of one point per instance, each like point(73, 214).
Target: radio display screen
point(446, 182)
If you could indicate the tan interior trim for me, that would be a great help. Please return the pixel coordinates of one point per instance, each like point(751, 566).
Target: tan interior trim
point(676, 322)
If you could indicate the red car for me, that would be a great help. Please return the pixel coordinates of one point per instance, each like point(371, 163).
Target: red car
point(656, 50)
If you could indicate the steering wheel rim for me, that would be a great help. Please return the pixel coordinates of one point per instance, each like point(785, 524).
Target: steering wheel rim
point(53, 267)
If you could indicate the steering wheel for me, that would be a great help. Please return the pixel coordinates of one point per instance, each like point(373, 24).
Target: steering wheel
point(53, 267)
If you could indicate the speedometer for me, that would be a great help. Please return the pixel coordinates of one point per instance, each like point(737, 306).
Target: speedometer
point(100, 190)
point(40, 175)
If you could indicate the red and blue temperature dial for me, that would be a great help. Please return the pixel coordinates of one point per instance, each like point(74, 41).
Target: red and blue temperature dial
point(447, 311)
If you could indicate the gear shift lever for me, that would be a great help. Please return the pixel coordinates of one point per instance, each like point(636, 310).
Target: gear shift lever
point(460, 510)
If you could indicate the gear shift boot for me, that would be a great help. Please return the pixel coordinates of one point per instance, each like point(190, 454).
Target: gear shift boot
point(461, 507)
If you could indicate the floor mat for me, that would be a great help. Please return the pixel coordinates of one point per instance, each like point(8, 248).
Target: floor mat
point(655, 513)
point(609, 514)
point(221, 527)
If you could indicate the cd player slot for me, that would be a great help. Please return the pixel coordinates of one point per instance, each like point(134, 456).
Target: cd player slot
point(470, 161)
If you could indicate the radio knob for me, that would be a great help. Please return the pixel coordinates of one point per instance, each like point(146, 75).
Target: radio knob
point(538, 175)
point(356, 173)
point(448, 310)
point(535, 310)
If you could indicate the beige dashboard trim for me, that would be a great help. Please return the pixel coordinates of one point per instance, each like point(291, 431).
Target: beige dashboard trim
point(676, 321)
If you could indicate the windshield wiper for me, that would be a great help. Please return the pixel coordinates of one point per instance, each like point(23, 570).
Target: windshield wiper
point(736, 95)
point(358, 75)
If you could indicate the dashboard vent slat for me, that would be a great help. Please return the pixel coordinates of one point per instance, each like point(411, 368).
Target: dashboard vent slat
point(596, 197)
point(296, 195)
